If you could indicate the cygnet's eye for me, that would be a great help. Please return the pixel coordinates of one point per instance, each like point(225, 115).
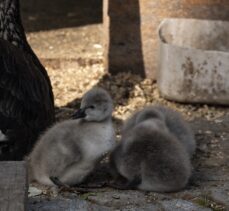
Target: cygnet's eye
point(92, 107)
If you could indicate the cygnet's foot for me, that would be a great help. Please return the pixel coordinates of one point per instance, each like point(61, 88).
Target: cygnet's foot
point(64, 187)
point(128, 185)
point(57, 182)
point(116, 185)
point(93, 185)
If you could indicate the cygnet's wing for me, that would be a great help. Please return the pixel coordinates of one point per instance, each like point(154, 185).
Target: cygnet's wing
point(129, 124)
point(179, 127)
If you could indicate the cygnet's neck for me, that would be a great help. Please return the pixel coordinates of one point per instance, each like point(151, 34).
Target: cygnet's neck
point(105, 120)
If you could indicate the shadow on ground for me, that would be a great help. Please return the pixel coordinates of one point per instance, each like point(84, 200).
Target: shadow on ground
point(40, 15)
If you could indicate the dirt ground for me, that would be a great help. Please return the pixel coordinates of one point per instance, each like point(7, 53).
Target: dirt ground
point(68, 40)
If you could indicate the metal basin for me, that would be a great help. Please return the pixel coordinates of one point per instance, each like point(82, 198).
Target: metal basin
point(194, 61)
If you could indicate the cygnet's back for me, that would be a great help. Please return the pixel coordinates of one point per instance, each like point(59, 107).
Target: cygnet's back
point(70, 150)
point(179, 127)
point(152, 159)
point(173, 120)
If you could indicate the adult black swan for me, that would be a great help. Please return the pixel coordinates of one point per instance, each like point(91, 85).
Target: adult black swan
point(26, 98)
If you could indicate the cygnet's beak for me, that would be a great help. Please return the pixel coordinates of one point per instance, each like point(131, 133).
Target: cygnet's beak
point(79, 114)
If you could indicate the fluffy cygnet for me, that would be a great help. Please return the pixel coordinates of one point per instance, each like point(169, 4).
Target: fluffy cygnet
point(173, 120)
point(70, 150)
point(151, 158)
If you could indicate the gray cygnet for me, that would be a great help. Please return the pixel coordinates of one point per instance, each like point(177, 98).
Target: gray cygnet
point(70, 149)
point(173, 120)
point(151, 158)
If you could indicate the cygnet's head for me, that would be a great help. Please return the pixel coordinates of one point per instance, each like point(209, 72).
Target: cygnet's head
point(96, 105)
point(146, 128)
point(149, 113)
point(151, 125)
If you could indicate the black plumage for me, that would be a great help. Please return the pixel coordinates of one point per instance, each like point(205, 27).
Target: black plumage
point(26, 98)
